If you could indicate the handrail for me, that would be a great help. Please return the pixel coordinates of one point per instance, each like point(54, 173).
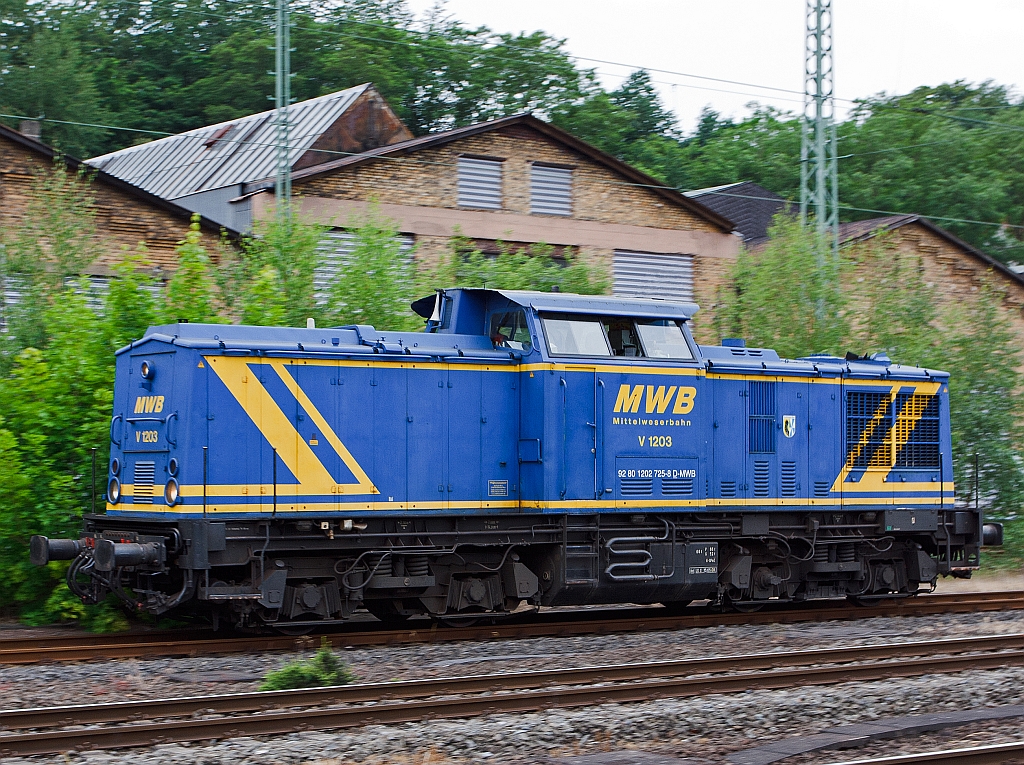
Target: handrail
point(113, 440)
point(565, 443)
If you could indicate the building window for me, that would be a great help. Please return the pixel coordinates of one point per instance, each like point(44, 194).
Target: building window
point(550, 190)
point(648, 274)
point(480, 183)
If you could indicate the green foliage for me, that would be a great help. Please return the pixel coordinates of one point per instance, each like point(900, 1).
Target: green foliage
point(190, 293)
point(54, 243)
point(271, 281)
point(50, 76)
point(376, 282)
point(786, 297)
point(130, 306)
point(531, 268)
point(322, 671)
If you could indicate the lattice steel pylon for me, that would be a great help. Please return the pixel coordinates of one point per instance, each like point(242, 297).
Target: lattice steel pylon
point(282, 99)
point(819, 174)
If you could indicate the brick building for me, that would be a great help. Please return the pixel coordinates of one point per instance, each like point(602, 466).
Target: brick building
point(956, 270)
point(208, 170)
point(125, 215)
point(521, 181)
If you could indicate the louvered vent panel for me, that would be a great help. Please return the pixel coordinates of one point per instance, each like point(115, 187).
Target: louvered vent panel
point(145, 472)
point(917, 431)
point(822, 488)
point(645, 274)
point(761, 474)
point(677, 487)
point(728, 489)
point(868, 422)
point(637, 487)
point(788, 479)
point(762, 417)
point(550, 190)
point(480, 183)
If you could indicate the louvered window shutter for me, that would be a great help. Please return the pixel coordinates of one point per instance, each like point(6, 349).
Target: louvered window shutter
point(646, 274)
point(480, 183)
point(550, 190)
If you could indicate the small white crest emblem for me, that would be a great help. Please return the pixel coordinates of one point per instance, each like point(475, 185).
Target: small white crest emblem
point(789, 425)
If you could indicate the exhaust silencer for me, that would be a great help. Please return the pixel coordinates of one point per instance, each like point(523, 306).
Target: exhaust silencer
point(41, 550)
point(111, 555)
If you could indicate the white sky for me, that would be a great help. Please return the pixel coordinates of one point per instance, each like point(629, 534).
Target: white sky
point(880, 45)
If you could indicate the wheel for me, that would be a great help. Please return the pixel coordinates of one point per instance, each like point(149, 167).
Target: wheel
point(297, 630)
point(459, 621)
point(746, 606)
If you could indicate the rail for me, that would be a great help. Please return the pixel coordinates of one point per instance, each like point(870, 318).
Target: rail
point(468, 696)
point(563, 623)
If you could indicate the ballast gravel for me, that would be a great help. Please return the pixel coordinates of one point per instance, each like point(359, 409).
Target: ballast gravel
point(698, 729)
point(124, 680)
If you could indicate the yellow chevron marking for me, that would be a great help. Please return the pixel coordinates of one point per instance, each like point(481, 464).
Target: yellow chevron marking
point(277, 428)
point(873, 478)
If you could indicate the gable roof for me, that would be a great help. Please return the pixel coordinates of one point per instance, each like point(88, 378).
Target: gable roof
point(106, 179)
point(527, 120)
point(228, 153)
point(749, 205)
point(862, 230)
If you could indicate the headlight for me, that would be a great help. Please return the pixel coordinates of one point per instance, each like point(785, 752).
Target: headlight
point(171, 492)
point(115, 466)
point(146, 370)
point(172, 466)
point(114, 491)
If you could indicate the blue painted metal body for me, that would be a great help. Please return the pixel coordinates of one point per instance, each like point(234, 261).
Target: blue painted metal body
point(290, 422)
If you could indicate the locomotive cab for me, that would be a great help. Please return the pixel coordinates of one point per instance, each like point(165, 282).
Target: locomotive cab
point(526, 447)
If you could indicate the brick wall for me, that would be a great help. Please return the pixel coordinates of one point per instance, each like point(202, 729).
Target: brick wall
point(428, 178)
point(954, 273)
point(122, 219)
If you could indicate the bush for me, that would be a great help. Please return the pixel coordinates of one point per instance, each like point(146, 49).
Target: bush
point(323, 670)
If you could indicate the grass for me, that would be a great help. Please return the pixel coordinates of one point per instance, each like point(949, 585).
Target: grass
point(324, 669)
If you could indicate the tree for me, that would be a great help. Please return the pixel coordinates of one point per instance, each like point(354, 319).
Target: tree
point(374, 283)
point(776, 296)
point(786, 296)
point(272, 280)
point(130, 306)
point(530, 268)
point(49, 76)
point(189, 295)
point(54, 241)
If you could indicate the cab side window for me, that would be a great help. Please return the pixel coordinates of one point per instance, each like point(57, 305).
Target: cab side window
point(623, 338)
point(508, 330)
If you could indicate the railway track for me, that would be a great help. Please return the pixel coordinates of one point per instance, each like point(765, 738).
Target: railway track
point(141, 723)
point(993, 754)
point(553, 623)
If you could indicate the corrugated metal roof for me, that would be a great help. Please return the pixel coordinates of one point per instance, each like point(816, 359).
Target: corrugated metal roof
point(225, 154)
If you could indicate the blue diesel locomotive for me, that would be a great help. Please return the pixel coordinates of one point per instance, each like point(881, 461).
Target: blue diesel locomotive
point(540, 447)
